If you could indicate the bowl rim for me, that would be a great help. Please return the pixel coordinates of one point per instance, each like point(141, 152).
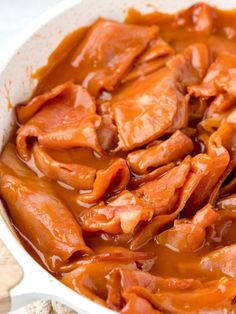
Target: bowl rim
point(8, 53)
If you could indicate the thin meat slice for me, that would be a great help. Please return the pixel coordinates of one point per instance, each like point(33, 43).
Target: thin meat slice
point(38, 212)
point(199, 16)
point(162, 194)
point(221, 261)
point(215, 296)
point(155, 57)
point(220, 78)
point(117, 253)
point(107, 133)
point(75, 175)
point(89, 279)
point(212, 165)
point(137, 181)
point(189, 235)
point(71, 94)
point(147, 108)
point(174, 148)
point(157, 48)
point(158, 223)
point(222, 103)
point(223, 229)
point(107, 52)
point(146, 68)
point(219, 112)
point(112, 179)
point(228, 202)
point(137, 305)
point(63, 118)
point(121, 215)
point(120, 280)
point(112, 254)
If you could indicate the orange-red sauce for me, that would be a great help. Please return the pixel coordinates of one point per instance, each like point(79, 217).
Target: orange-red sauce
point(217, 30)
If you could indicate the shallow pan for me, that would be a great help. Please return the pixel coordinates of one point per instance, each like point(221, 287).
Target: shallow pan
point(18, 61)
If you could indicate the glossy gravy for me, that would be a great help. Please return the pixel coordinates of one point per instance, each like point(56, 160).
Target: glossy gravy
point(104, 259)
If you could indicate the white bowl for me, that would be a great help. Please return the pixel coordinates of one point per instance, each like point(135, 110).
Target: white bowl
point(29, 52)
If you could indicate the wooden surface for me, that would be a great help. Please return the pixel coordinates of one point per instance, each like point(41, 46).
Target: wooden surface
point(10, 275)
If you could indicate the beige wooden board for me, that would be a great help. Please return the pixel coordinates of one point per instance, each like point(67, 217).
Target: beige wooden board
point(10, 275)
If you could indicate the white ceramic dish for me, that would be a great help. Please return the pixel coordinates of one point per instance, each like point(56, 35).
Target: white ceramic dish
point(29, 52)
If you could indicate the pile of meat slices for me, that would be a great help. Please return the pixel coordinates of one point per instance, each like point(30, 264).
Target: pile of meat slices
point(121, 181)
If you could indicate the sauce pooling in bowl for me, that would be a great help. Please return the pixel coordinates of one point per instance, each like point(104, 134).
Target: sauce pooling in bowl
point(120, 178)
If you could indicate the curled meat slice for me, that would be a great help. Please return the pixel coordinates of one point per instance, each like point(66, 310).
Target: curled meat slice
point(117, 253)
point(137, 305)
point(72, 95)
point(151, 60)
point(220, 77)
point(221, 103)
point(112, 253)
point(139, 180)
point(162, 194)
point(107, 52)
point(211, 165)
point(119, 216)
point(120, 280)
point(158, 223)
point(145, 109)
point(90, 279)
point(146, 68)
point(221, 261)
point(222, 231)
point(221, 110)
point(189, 235)
point(63, 118)
point(200, 16)
point(176, 147)
point(157, 48)
point(38, 213)
point(215, 296)
point(116, 176)
point(228, 202)
point(107, 133)
point(112, 179)
point(78, 176)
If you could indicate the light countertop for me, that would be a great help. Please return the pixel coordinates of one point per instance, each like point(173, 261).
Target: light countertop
point(16, 14)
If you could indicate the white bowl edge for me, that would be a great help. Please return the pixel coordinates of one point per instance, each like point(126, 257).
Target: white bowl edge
point(28, 52)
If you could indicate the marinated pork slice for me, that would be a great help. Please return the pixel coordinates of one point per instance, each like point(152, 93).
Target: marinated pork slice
point(189, 235)
point(62, 118)
point(39, 213)
point(157, 103)
point(200, 17)
point(120, 280)
point(214, 296)
point(174, 148)
point(121, 215)
point(107, 52)
point(75, 175)
point(219, 79)
point(212, 165)
point(112, 179)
